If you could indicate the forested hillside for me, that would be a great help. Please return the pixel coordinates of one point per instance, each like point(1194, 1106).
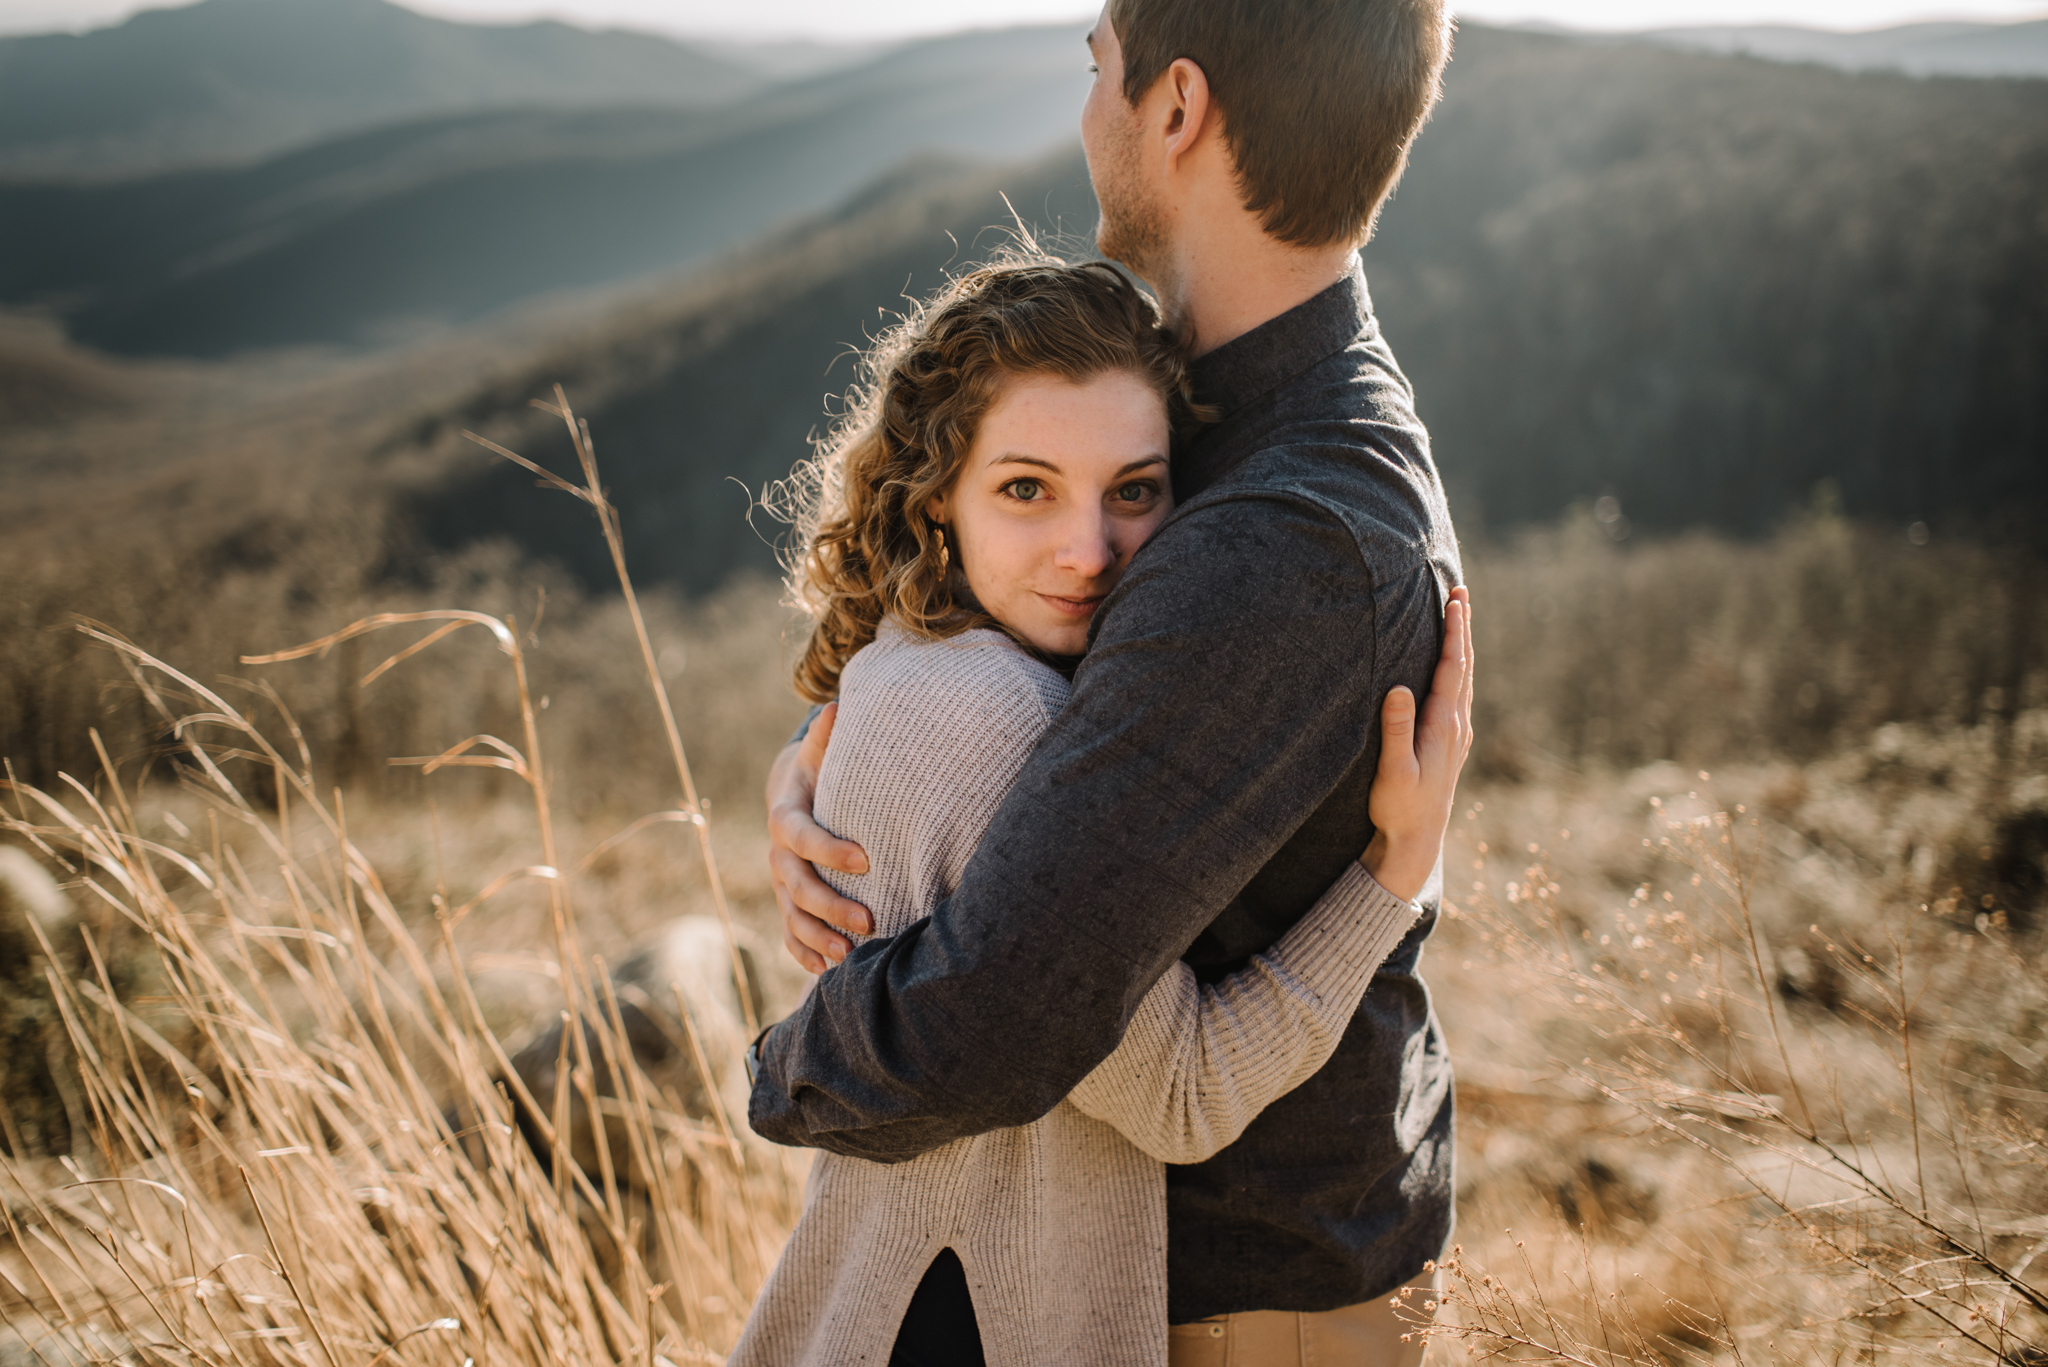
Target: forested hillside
point(1711, 288)
point(376, 236)
point(703, 400)
point(1706, 284)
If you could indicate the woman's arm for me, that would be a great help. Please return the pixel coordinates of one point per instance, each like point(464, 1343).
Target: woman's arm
point(1199, 1062)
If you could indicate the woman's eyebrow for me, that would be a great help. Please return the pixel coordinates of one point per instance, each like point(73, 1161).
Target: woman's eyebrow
point(1016, 458)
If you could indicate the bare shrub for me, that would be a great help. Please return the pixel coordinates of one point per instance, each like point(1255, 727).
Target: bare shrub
point(1703, 649)
point(207, 591)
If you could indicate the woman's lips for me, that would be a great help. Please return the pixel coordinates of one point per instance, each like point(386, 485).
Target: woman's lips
point(1073, 607)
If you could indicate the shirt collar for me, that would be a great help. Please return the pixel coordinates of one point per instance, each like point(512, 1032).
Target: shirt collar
point(1279, 349)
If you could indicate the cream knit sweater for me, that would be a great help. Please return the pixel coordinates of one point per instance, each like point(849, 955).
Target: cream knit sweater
point(1060, 1224)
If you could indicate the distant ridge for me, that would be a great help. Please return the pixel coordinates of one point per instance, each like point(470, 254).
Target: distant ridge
point(1942, 49)
point(708, 390)
point(384, 234)
point(227, 81)
point(790, 59)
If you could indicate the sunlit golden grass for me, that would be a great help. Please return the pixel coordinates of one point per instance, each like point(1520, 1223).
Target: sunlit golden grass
point(313, 1153)
point(1740, 1083)
point(320, 1151)
point(1714, 1162)
point(259, 1099)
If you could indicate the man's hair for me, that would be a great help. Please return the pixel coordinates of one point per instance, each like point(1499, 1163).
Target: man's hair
point(1320, 98)
point(865, 548)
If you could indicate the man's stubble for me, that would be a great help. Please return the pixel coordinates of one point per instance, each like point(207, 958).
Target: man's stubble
point(1133, 227)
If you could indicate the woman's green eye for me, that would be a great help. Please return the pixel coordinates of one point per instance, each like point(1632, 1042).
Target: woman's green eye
point(1026, 490)
point(1134, 493)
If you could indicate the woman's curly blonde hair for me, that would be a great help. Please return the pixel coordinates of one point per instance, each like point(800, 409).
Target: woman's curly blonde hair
point(865, 548)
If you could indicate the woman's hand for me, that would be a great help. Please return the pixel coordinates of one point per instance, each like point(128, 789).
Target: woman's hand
point(1412, 792)
point(796, 843)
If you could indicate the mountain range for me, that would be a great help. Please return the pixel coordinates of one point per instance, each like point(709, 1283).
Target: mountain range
point(226, 81)
point(377, 234)
point(1714, 289)
point(1938, 49)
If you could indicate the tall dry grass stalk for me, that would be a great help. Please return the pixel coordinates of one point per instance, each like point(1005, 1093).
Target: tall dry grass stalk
point(311, 1148)
point(692, 811)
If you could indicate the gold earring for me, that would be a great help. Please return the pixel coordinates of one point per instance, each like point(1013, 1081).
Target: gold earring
point(945, 555)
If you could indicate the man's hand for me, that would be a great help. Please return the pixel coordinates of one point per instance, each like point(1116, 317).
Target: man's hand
point(1417, 781)
point(810, 909)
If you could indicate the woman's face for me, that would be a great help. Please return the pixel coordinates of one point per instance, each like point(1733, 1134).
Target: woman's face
point(1063, 483)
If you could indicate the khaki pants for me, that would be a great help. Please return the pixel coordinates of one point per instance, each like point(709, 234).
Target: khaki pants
point(1367, 1335)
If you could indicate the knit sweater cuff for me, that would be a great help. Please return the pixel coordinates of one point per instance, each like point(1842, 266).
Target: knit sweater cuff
point(1337, 947)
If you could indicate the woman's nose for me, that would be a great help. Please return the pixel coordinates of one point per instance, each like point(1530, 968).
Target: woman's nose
point(1086, 549)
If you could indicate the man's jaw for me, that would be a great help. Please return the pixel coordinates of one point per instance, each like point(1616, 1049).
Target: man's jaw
point(1132, 227)
point(1133, 238)
point(1145, 250)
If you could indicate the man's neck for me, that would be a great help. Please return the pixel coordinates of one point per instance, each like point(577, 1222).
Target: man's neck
point(1217, 287)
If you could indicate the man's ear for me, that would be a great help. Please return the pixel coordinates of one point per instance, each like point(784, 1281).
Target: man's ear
point(1190, 114)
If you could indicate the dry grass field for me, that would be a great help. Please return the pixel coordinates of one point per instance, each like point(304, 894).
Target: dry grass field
point(1745, 1076)
point(1739, 963)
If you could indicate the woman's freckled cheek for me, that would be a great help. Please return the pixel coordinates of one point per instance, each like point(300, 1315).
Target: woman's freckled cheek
point(1025, 539)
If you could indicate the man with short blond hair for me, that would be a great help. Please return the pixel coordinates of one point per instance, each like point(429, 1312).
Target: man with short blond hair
point(1209, 777)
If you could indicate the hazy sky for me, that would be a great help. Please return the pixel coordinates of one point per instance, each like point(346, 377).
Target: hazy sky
point(892, 18)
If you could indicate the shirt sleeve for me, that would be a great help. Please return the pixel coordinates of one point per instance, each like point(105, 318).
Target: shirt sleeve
point(1200, 1061)
point(1233, 683)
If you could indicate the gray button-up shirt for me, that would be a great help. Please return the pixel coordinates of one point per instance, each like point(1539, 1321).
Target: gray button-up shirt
point(1205, 784)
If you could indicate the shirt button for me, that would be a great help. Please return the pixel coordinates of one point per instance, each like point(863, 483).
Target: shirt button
point(1215, 1331)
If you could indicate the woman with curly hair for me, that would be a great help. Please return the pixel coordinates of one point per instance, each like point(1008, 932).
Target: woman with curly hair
point(1003, 461)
